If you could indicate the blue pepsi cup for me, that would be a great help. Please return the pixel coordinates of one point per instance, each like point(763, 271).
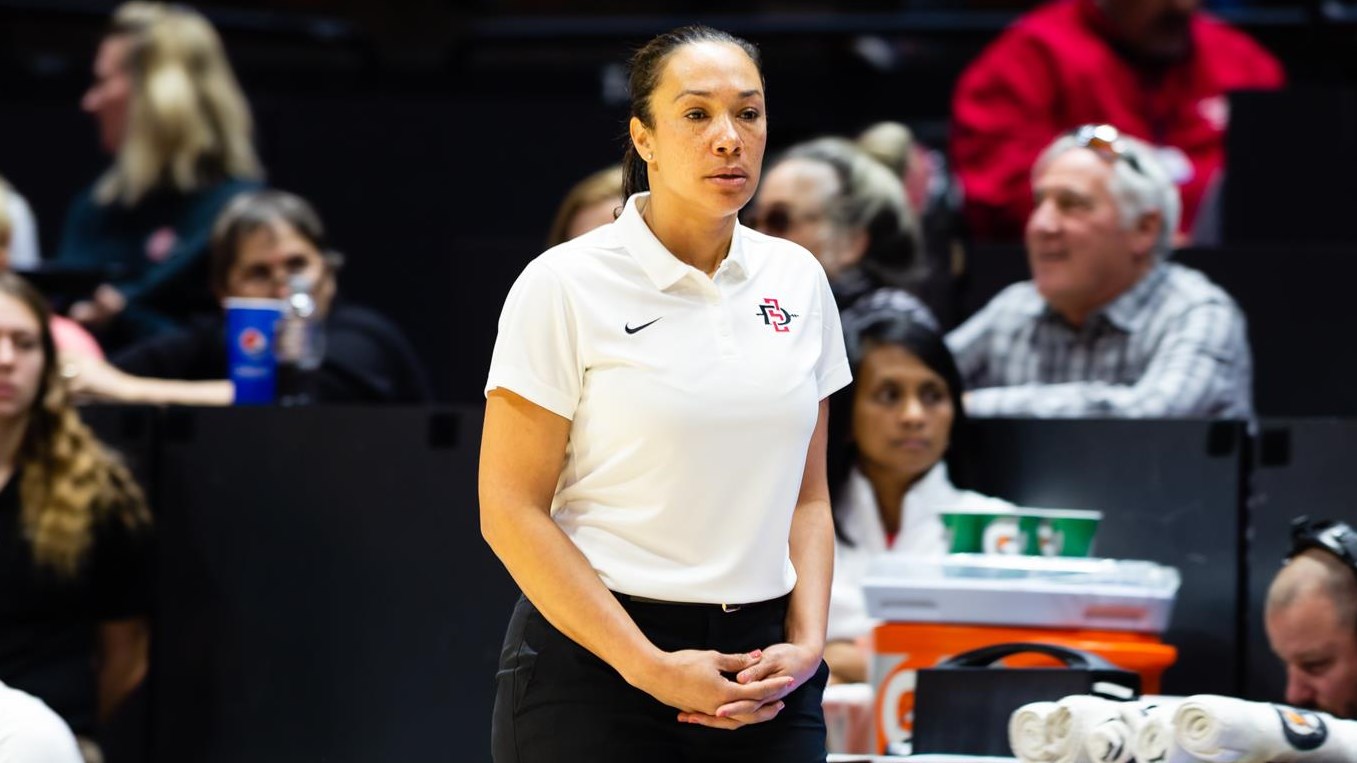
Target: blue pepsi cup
point(251, 328)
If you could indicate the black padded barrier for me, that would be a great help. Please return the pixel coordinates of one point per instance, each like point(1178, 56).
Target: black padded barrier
point(1170, 492)
point(325, 590)
point(325, 593)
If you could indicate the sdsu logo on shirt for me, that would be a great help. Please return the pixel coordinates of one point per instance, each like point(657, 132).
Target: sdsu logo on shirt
point(774, 315)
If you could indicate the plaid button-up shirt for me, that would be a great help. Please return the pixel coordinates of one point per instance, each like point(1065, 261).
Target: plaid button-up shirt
point(1173, 345)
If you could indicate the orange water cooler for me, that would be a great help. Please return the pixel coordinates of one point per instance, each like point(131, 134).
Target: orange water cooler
point(937, 608)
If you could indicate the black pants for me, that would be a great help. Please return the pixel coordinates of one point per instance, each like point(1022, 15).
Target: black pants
point(557, 703)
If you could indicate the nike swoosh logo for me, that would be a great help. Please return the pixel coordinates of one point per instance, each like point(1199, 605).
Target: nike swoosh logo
point(631, 330)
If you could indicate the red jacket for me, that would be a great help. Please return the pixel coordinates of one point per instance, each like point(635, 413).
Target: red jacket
point(1054, 69)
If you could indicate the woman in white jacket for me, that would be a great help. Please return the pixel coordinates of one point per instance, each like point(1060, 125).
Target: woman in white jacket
point(892, 432)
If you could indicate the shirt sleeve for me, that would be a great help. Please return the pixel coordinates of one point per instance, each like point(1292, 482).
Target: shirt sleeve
point(122, 568)
point(537, 350)
point(23, 240)
point(1203, 367)
point(412, 380)
point(969, 344)
point(831, 369)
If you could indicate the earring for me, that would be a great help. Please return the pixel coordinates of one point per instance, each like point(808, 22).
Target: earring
point(650, 158)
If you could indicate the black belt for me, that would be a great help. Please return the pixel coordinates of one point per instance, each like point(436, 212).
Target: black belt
point(727, 608)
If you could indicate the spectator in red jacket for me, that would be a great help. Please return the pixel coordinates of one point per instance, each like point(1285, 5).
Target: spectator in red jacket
point(1157, 69)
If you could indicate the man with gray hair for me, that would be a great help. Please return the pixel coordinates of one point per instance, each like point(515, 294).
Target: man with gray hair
point(1311, 617)
point(1107, 326)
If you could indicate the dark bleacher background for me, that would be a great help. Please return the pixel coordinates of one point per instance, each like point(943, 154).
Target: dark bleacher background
point(438, 137)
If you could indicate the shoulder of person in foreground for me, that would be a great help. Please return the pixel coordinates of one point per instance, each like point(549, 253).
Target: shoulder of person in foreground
point(30, 732)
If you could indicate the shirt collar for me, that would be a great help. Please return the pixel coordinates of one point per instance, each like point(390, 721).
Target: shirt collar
point(659, 264)
point(737, 262)
point(921, 501)
point(934, 488)
point(1128, 312)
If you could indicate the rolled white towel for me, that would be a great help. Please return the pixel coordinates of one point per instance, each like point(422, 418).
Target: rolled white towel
point(1229, 730)
point(1069, 726)
point(1027, 732)
point(1151, 721)
point(1109, 742)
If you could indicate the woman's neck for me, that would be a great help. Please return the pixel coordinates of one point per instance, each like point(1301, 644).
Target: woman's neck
point(697, 241)
point(890, 489)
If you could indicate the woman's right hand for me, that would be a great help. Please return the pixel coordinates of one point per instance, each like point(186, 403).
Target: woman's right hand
point(694, 681)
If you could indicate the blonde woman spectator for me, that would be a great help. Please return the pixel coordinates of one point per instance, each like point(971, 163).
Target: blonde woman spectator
point(592, 202)
point(935, 198)
point(171, 113)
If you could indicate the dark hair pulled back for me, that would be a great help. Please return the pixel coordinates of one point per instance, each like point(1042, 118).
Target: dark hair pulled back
point(644, 70)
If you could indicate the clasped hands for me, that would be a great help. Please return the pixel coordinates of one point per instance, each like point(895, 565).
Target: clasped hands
point(696, 682)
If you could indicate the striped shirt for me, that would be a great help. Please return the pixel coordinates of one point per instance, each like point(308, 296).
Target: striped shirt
point(1173, 345)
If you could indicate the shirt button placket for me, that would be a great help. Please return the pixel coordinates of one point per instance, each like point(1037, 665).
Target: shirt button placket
point(725, 335)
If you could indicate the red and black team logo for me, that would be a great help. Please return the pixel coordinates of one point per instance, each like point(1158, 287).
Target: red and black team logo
point(773, 315)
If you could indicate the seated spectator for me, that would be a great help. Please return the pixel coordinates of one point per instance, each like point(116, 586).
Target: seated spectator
point(70, 336)
point(1157, 69)
point(834, 199)
point(1311, 617)
point(18, 229)
point(170, 111)
point(1107, 326)
point(930, 189)
point(934, 197)
point(594, 201)
point(74, 535)
point(262, 239)
point(891, 430)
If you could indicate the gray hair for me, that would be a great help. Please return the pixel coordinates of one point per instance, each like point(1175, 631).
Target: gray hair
point(871, 199)
point(1139, 190)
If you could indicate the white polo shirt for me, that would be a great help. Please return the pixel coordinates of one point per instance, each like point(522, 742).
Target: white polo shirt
point(692, 401)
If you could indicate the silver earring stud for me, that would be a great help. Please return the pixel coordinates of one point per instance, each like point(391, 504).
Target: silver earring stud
point(650, 158)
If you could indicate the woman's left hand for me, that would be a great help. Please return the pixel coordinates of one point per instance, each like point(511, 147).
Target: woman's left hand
point(798, 662)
